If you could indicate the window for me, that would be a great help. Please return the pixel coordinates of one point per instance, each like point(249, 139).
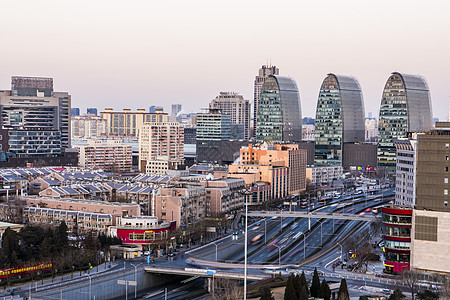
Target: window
point(447, 146)
point(445, 180)
point(446, 157)
point(446, 192)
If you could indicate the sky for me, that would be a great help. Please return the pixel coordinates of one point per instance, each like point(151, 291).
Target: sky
point(134, 54)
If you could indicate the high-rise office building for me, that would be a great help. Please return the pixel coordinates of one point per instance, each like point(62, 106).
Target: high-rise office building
point(405, 107)
point(161, 141)
point(237, 107)
point(213, 125)
point(74, 111)
point(176, 108)
point(35, 119)
point(91, 111)
point(279, 117)
point(263, 73)
point(128, 123)
point(406, 171)
point(339, 118)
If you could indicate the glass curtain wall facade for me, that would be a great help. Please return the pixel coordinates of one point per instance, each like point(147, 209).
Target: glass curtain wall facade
point(279, 117)
point(339, 118)
point(405, 107)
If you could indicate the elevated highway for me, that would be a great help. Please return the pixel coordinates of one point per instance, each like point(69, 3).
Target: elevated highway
point(204, 273)
point(317, 215)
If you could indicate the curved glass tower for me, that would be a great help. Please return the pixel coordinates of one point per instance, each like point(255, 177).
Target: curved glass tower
point(405, 107)
point(339, 118)
point(279, 116)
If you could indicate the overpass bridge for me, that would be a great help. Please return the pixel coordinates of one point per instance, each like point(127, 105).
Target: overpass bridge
point(317, 215)
point(204, 273)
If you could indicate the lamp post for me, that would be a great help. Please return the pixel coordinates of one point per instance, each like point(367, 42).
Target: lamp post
point(341, 249)
point(265, 231)
point(246, 193)
point(135, 278)
point(90, 286)
point(279, 254)
point(215, 244)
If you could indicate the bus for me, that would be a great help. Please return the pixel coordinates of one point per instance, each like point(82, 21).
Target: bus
point(257, 239)
point(325, 199)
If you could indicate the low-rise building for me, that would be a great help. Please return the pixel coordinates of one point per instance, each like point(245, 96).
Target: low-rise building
point(88, 126)
point(319, 176)
point(144, 231)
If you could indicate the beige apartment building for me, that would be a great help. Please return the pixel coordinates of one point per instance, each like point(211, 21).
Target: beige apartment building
point(111, 157)
point(128, 123)
point(165, 139)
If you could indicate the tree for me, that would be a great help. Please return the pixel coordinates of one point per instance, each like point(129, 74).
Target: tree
point(343, 291)
point(304, 295)
point(266, 293)
point(289, 292)
point(411, 279)
point(397, 295)
point(445, 289)
point(315, 284)
point(427, 295)
point(227, 289)
point(297, 285)
point(324, 290)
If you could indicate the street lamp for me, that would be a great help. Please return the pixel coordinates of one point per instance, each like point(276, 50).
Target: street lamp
point(246, 193)
point(90, 286)
point(341, 249)
point(135, 278)
point(215, 244)
point(279, 254)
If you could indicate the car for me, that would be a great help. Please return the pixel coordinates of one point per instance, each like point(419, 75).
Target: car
point(146, 253)
point(235, 232)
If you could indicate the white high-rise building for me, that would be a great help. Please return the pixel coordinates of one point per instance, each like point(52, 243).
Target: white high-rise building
point(371, 135)
point(88, 126)
point(234, 104)
point(405, 175)
point(263, 73)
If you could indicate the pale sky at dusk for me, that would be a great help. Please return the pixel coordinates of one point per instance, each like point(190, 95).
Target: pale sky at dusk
point(133, 54)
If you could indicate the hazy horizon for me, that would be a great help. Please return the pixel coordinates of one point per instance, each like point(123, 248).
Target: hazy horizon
point(138, 54)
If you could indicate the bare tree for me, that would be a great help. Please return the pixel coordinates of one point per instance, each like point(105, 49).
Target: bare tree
point(227, 289)
point(445, 289)
point(411, 279)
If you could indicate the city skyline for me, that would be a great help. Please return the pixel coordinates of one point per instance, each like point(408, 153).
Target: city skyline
point(131, 56)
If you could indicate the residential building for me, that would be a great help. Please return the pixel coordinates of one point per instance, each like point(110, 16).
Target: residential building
point(223, 195)
point(74, 111)
point(91, 111)
point(279, 117)
point(371, 130)
point(431, 218)
point(79, 221)
point(339, 118)
point(183, 204)
point(405, 107)
point(162, 164)
point(234, 104)
point(263, 73)
point(128, 123)
point(213, 126)
point(88, 126)
point(111, 157)
point(160, 139)
point(287, 155)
